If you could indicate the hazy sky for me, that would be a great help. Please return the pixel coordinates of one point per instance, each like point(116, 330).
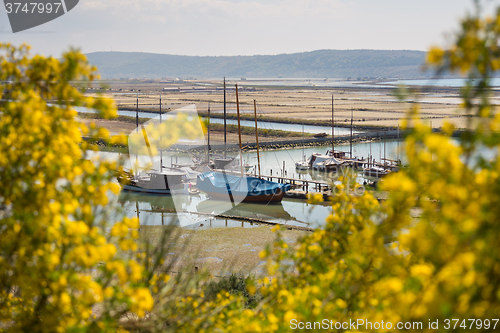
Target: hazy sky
point(244, 27)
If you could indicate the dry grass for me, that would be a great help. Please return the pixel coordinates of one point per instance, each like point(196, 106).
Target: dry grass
point(219, 249)
point(376, 106)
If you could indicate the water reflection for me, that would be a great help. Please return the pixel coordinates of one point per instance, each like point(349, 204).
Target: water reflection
point(198, 211)
point(273, 212)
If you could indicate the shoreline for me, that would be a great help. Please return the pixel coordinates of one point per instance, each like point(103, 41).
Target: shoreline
point(268, 119)
point(273, 143)
point(372, 107)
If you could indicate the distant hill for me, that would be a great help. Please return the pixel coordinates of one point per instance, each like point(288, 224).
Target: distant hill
point(315, 64)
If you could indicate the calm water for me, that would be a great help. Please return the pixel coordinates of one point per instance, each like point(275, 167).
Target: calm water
point(282, 161)
point(272, 160)
point(197, 210)
point(494, 82)
point(322, 82)
point(298, 82)
point(158, 210)
point(287, 127)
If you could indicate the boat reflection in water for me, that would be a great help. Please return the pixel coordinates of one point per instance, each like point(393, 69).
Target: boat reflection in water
point(162, 182)
point(200, 211)
point(241, 189)
point(248, 210)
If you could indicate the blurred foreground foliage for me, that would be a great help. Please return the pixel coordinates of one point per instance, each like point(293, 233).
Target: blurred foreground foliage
point(377, 262)
point(69, 263)
point(372, 261)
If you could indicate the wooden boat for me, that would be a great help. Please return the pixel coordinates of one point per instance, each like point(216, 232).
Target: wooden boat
point(193, 190)
point(302, 165)
point(163, 182)
point(375, 172)
point(240, 189)
point(325, 163)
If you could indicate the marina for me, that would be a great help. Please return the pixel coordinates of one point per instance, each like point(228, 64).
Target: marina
point(198, 211)
point(248, 183)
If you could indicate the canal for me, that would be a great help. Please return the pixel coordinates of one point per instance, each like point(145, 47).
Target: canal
point(201, 212)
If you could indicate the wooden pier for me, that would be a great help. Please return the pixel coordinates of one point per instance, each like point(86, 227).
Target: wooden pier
point(297, 183)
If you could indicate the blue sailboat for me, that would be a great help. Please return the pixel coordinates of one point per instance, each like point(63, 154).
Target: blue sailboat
point(240, 189)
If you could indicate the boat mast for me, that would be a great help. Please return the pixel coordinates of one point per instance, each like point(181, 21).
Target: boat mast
point(385, 160)
point(333, 130)
point(208, 130)
point(380, 152)
point(257, 133)
point(225, 138)
point(370, 160)
point(303, 144)
point(161, 152)
point(137, 113)
point(398, 145)
point(239, 129)
point(351, 136)
point(137, 130)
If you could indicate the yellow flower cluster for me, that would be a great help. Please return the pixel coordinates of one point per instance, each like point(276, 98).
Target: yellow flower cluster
point(148, 139)
point(430, 251)
point(57, 262)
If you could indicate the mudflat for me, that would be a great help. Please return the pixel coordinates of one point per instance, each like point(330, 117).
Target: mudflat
point(369, 106)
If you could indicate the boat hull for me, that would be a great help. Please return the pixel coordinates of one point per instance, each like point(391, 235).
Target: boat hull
point(240, 189)
point(328, 167)
point(375, 173)
point(139, 189)
point(263, 198)
point(302, 165)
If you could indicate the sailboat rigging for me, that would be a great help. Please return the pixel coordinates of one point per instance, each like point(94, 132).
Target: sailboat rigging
point(225, 122)
point(256, 134)
point(221, 163)
point(208, 134)
point(241, 188)
point(239, 130)
point(332, 160)
point(155, 182)
point(161, 151)
point(303, 164)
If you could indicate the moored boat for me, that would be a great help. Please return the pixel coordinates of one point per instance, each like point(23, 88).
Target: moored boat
point(375, 172)
point(302, 165)
point(240, 189)
point(164, 182)
point(325, 163)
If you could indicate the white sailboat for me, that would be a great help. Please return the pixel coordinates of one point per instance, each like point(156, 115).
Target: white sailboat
point(145, 178)
point(303, 164)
